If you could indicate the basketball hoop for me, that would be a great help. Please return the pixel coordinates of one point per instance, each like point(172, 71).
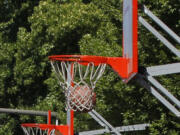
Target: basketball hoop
point(43, 129)
point(38, 129)
point(78, 74)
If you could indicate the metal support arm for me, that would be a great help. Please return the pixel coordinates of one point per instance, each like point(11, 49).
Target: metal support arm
point(145, 84)
point(159, 36)
point(173, 99)
point(161, 24)
point(163, 69)
point(27, 112)
point(103, 122)
point(129, 128)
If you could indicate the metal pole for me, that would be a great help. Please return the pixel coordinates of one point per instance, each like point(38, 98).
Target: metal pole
point(166, 103)
point(94, 114)
point(27, 112)
point(163, 69)
point(161, 24)
point(159, 36)
point(49, 117)
point(164, 90)
point(70, 113)
point(130, 128)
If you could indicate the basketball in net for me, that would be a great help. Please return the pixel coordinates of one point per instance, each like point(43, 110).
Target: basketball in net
point(82, 98)
point(77, 75)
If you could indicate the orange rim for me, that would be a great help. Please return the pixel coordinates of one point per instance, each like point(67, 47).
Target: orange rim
point(42, 126)
point(80, 58)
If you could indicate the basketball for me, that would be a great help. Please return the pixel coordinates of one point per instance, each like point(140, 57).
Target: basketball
point(82, 98)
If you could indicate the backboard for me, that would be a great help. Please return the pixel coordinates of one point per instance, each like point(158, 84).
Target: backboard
point(130, 27)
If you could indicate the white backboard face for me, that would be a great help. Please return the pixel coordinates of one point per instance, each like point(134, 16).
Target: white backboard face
point(130, 34)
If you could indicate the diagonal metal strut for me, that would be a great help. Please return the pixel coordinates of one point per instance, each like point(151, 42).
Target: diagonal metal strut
point(129, 128)
point(103, 122)
point(141, 80)
point(161, 24)
point(159, 36)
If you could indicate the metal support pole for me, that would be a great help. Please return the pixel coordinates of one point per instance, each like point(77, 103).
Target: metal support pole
point(49, 117)
point(164, 90)
point(27, 112)
point(70, 113)
point(96, 116)
point(140, 79)
point(163, 69)
point(70, 121)
point(159, 36)
point(99, 121)
point(161, 24)
point(130, 128)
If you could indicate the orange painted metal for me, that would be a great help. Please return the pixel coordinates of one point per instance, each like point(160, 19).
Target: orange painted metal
point(72, 123)
point(119, 64)
point(63, 129)
point(49, 117)
point(135, 36)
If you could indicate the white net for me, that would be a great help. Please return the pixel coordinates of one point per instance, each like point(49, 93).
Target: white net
point(37, 131)
point(78, 81)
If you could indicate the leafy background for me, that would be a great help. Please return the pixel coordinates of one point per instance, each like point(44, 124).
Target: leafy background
point(30, 31)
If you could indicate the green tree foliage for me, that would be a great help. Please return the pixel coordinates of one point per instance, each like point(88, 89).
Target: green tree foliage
point(33, 30)
point(14, 14)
